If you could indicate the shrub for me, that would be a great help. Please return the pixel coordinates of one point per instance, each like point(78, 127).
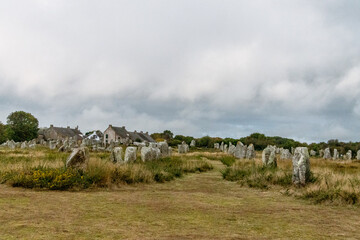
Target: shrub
point(100, 173)
point(249, 174)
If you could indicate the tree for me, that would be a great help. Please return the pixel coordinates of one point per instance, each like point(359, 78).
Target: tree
point(2, 133)
point(168, 135)
point(22, 126)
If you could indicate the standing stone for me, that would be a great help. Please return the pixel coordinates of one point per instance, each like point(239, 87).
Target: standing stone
point(285, 154)
point(327, 154)
point(358, 155)
point(238, 149)
point(231, 149)
point(164, 149)
point(222, 146)
point(11, 144)
point(170, 151)
point(150, 153)
point(225, 148)
point(243, 151)
point(336, 154)
point(216, 145)
point(32, 146)
point(24, 145)
point(193, 143)
point(130, 154)
point(183, 148)
point(250, 153)
point(116, 155)
point(292, 150)
point(269, 156)
point(301, 166)
point(78, 158)
point(321, 153)
point(348, 155)
point(52, 145)
point(312, 153)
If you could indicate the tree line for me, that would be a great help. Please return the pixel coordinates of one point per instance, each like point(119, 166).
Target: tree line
point(20, 126)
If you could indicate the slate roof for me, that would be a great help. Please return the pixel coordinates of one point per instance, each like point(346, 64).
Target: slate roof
point(122, 132)
point(67, 132)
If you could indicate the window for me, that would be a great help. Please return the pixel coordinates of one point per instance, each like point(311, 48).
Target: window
point(106, 136)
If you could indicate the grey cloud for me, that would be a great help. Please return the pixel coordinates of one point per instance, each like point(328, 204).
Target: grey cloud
point(223, 68)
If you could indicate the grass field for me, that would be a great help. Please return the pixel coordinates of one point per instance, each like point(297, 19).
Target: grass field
point(195, 206)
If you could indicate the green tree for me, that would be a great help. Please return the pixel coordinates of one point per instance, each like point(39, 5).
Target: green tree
point(2, 133)
point(22, 126)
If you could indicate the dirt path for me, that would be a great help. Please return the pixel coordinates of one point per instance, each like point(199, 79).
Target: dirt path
point(197, 206)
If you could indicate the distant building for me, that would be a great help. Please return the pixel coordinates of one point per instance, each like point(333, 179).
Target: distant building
point(59, 133)
point(120, 134)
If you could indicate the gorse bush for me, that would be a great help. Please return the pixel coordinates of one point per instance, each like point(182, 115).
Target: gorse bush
point(101, 173)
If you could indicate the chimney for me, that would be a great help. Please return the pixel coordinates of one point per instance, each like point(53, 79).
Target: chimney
point(141, 131)
point(51, 125)
point(110, 125)
point(77, 128)
point(135, 131)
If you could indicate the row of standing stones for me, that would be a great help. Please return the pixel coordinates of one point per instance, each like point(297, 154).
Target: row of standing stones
point(300, 158)
point(153, 151)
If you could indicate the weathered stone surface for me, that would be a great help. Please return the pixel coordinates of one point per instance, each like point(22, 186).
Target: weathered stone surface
point(130, 154)
point(150, 154)
point(225, 148)
point(239, 150)
point(301, 166)
point(336, 154)
point(348, 155)
point(285, 154)
point(321, 153)
point(116, 155)
point(183, 148)
point(216, 145)
point(222, 146)
point(231, 149)
point(327, 154)
point(24, 145)
point(164, 149)
point(269, 156)
point(312, 153)
point(358, 155)
point(32, 146)
point(52, 145)
point(250, 153)
point(11, 144)
point(78, 158)
point(193, 143)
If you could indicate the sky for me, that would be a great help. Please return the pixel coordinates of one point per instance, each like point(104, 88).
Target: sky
point(225, 68)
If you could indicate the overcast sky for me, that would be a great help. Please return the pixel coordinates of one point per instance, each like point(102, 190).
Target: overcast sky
point(223, 68)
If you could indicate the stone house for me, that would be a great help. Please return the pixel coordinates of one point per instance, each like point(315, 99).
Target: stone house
point(121, 135)
point(59, 133)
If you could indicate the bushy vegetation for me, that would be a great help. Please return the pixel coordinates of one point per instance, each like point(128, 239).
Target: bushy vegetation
point(20, 169)
point(21, 126)
point(252, 175)
point(330, 182)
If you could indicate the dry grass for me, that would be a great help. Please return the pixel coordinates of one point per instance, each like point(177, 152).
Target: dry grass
point(197, 206)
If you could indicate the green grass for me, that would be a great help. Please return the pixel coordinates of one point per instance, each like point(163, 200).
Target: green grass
point(255, 176)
